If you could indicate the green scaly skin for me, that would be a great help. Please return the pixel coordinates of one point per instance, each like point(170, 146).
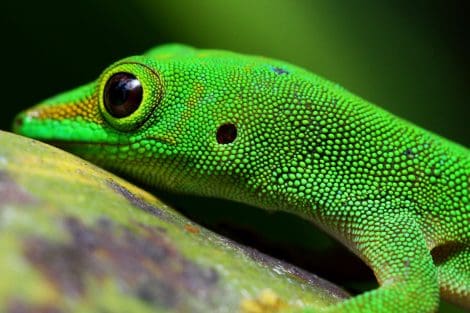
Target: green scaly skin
point(395, 194)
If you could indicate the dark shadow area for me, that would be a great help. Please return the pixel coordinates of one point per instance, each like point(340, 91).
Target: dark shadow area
point(281, 235)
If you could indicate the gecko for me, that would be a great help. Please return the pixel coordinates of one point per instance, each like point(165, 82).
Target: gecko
point(267, 133)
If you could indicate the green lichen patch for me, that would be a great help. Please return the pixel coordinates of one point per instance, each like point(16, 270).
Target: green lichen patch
point(136, 201)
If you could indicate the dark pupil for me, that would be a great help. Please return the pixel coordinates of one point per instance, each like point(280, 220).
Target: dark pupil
point(122, 94)
point(226, 133)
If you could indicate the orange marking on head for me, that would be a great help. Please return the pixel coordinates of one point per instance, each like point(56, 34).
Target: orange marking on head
point(87, 110)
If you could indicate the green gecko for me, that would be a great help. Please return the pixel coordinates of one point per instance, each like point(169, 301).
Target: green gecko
point(270, 134)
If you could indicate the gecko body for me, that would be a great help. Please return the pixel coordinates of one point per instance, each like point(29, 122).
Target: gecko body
point(270, 134)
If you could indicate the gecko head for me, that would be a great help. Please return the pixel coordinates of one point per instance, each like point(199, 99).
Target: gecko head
point(188, 120)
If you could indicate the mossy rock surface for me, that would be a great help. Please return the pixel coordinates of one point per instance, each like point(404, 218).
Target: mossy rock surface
point(75, 238)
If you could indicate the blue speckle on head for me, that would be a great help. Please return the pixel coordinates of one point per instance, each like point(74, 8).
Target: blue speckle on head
point(279, 70)
point(409, 153)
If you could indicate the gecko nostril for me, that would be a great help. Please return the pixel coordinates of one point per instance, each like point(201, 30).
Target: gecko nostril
point(18, 122)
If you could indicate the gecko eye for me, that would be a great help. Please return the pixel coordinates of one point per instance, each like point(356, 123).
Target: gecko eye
point(130, 92)
point(226, 133)
point(122, 94)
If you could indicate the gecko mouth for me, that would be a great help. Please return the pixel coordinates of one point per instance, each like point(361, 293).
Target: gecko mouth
point(69, 144)
point(63, 144)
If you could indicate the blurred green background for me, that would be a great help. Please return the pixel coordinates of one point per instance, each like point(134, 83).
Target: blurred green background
point(408, 56)
point(411, 57)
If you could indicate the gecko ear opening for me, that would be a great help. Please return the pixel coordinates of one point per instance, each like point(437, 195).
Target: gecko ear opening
point(129, 94)
point(226, 133)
